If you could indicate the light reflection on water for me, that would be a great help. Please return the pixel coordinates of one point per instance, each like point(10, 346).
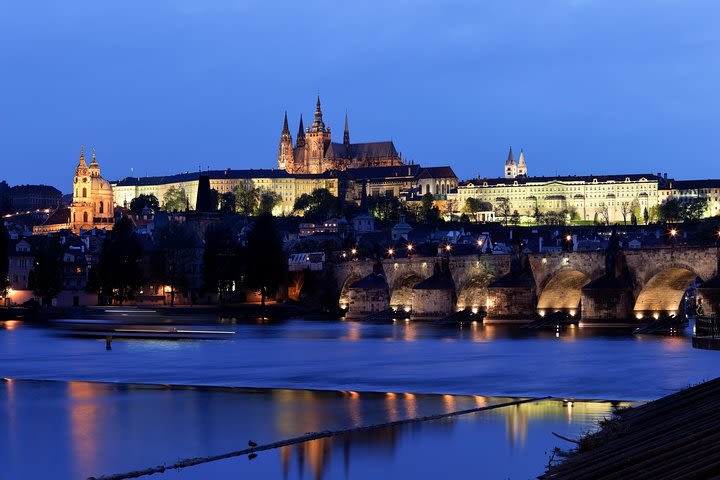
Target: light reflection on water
point(509, 442)
point(88, 429)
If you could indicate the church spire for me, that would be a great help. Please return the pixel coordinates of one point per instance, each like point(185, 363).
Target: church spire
point(93, 162)
point(346, 135)
point(318, 125)
point(285, 125)
point(82, 156)
point(511, 158)
point(301, 134)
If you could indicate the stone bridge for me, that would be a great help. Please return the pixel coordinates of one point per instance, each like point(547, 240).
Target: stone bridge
point(653, 283)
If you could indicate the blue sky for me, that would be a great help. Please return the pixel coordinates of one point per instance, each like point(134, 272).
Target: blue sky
point(163, 86)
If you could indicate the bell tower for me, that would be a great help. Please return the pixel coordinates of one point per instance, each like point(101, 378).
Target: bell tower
point(315, 139)
point(81, 210)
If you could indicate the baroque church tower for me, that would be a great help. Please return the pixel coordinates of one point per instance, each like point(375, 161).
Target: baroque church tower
point(92, 205)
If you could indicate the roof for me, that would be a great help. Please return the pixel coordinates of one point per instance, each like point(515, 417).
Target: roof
point(633, 177)
point(60, 215)
point(213, 175)
point(34, 189)
point(691, 184)
point(381, 172)
point(374, 280)
point(439, 280)
point(361, 150)
point(437, 172)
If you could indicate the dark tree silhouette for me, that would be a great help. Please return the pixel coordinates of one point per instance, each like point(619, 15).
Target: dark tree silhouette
point(138, 204)
point(119, 274)
point(227, 202)
point(266, 259)
point(222, 265)
point(319, 205)
point(45, 278)
point(178, 247)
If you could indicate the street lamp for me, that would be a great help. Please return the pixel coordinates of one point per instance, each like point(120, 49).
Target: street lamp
point(391, 251)
point(409, 249)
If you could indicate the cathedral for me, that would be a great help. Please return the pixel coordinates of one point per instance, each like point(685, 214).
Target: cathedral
point(315, 152)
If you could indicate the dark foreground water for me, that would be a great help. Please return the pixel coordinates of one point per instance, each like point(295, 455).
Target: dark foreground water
point(69, 430)
point(401, 357)
point(310, 376)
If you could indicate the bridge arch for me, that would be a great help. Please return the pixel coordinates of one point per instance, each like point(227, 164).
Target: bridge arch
point(474, 294)
point(663, 291)
point(562, 292)
point(401, 294)
point(344, 301)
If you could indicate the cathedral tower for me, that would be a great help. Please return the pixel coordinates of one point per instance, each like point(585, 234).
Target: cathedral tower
point(522, 166)
point(286, 159)
point(315, 140)
point(511, 168)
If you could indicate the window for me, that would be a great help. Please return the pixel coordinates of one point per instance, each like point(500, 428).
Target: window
point(84, 192)
point(102, 209)
point(85, 215)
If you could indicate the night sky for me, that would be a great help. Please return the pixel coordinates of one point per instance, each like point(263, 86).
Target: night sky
point(164, 86)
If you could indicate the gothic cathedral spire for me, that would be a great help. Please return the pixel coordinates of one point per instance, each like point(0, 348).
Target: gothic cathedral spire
point(318, 125)
point(285, 150)
point(301, 134)
point(346, 135)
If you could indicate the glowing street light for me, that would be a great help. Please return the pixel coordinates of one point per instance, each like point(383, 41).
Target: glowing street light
point(448, 247)
point(353, 251)
point(673, 232)
point(391, 251)
point(409, 247)
point(568, 237)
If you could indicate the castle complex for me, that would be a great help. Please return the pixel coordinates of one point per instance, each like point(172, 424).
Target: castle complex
point(315, 152)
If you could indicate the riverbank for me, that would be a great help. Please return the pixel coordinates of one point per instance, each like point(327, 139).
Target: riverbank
point(675, 437)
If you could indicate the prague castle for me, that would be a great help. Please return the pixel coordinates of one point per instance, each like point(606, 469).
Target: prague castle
point(315, 152)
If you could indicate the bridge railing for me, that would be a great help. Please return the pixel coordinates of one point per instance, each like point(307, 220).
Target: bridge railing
point(707, 326)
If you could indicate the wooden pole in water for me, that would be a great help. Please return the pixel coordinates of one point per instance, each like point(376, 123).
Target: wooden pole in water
point(108, 342)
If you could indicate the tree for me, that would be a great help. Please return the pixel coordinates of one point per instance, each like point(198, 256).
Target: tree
point(45, 278)
point(472, 207)
point(228, 203)
point(385, 207)
point(214, 199)
point(119, 274)
point(222, 266)
point(4, 260)
point(429, 212)
point(646, 215)
point(266, 259)
point(138, 204)
point(603, 213)
point(268, 201)
point(178, 250)
point(626, 209)
point(175, 200)
point(515, 218)
point(318, 206)
point(247, 199)
point(502, 209)
point(677, 210)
